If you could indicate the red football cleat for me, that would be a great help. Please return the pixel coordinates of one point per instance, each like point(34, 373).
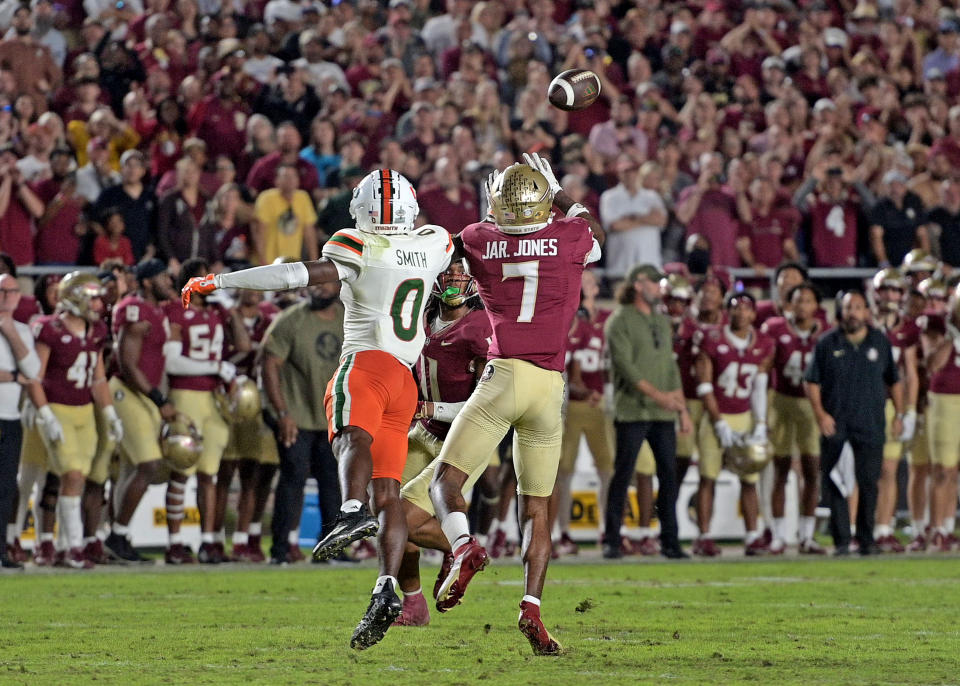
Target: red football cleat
point(294, 554)
point(532, 627)
point(254, 550)
point(415, 611)
point(777, 547)
point(364, 550)
point(889, 544)
point(444, 572)
point(918, 544)
point(179, 554)
point(16, 552)
point(566, 546)
point(76, 559)
point(811, 547)
point(646, 546)
point(510, 549)
point(240, 553)
point(942, 542)
point(45, 554)
point(499, 544)
point(222, 552)
point(468, 559)
point(94, 552)
point(757, 547)
point(705, 547)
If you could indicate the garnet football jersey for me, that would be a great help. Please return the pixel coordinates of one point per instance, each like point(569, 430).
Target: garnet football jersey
point(256, 328)
point(530, 286)
point(444, 370)
point(587, 345)
point(201, 338)
point(733, 369)
point(686, 345)
point(793, 353)
point(902, 336)
point(73, 360)
point(390, 278)
point(133, 309)
point(947, 378)
point(767, 309)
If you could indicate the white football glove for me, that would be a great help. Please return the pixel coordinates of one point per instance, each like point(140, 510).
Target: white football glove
point(725, 434)
point(534, 161)
point(227, 371)
point(759, 434)
point(909, 425)
point(49, 425)
point(114, 425)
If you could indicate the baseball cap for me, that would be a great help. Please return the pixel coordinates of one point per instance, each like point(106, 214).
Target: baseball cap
point(934, 74)
point(648, 270)
point(894, 176)
point(132, 155)
point(773, 62)
point(147, 269)
point(834, 37)
point(679, 27)
point(824, 104)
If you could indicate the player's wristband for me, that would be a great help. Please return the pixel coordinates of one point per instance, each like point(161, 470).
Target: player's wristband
point(705, 388)
point(576, 209)
point(158, 398)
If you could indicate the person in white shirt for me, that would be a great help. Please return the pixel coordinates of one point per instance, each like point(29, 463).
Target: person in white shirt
point(317, 69)
point(260, 64)
point(18, 364)
point(633, 216)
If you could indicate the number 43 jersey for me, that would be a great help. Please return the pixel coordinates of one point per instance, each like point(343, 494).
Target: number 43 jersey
point(530, 285)
point(735, 367)
point(794, 351)
point(388, 281)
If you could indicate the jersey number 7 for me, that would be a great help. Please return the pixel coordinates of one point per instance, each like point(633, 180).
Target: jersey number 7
point(530, 273)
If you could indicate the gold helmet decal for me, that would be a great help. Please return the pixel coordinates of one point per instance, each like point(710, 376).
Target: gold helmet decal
point(521, 200)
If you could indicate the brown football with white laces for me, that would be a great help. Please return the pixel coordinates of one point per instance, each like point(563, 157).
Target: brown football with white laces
point(574, 89)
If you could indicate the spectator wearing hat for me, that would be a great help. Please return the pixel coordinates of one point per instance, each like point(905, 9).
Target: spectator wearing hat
point(648, 401)
point(633, 216)
point(96, 175)
point(896, 222)
point(135, 201)
point(767, 233)
point(449, 202)
point(286, 223)
point(289, 142)
point(946, 56)
point(58, 240)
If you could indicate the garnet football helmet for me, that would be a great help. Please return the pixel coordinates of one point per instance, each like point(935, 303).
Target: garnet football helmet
point(76, 291)
point(384, 202)
point(520, 200)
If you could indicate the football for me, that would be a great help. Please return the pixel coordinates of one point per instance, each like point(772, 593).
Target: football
point(574, 89)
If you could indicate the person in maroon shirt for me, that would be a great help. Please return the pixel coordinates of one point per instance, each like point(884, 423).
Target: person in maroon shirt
point(19, 206)
point(140, 330)
point(264, 170)
point(57, 240)
point(766, 235)
point(220, 119)
point(793, 423)
point(450, 203)
point(834, 213)
point(709, 209)
point(528, 273)
point(786, 277)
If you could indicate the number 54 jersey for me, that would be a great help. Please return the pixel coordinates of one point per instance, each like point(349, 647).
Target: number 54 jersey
point(387, 283)
point(530, 285)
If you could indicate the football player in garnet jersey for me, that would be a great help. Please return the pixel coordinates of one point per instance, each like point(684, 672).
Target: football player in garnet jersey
point(528, 269)
point(252, 449)
point(586, 412)
point(888, 289)
point(458, 336)
point(384, 265)
point(195, 365)
point(794, 428)
point(70, 346)
point(941, 350)
point(732, 367)
point(140, 330)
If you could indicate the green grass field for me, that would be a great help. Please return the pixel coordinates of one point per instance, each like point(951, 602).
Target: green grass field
point(877, 621)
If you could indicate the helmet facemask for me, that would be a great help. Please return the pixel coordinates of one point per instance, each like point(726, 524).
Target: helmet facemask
point(385, 202)
point(520, 200)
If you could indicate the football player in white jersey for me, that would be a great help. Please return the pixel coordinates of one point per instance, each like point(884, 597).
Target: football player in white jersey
point(386, 268)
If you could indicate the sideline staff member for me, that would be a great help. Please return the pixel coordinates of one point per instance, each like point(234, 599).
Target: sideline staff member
point(847, 382)
point(648, 398)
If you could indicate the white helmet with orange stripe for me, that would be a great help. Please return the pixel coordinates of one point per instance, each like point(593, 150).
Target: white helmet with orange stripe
point(384, 202)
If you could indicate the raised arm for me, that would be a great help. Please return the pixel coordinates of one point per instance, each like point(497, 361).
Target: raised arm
point(561, 200)
point(271, 277)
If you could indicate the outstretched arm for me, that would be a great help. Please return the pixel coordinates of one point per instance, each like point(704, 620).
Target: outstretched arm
point(271, 277)
point(561, 200)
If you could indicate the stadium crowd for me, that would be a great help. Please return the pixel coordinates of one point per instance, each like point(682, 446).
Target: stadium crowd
point(728, 134)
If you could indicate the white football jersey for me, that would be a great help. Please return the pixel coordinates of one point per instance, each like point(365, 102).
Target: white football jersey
point(389, 281)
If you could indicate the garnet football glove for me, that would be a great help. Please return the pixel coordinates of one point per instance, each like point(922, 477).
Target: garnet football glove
point(534, 161)
point(204, 285)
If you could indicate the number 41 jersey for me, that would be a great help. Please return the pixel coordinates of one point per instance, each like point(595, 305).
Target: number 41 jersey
point(530, 286)
point(387, 283)
point(793, 353)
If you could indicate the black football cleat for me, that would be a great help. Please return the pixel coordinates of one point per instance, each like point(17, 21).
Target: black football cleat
point(384, 608)
point(120, 548)
point(347, 528)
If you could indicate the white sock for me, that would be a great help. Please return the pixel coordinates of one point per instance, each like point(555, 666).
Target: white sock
point(240, 538)
point(293, 538)
point(881, 530)
point(71, 521)
point(381, 582)
point(219, 536)
point(89, 539)
point(950, 523)
point(255, 528)
point(644, 532)
point(46, 537)
point(176, 539)
point(530, 599)
point(752, 536)
point(11, 533)
point(778, 526)
point(419, 591)
point(807, 525)
point(206, 537)
point(455, 526)
point(121, 530)
point(352, 505)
